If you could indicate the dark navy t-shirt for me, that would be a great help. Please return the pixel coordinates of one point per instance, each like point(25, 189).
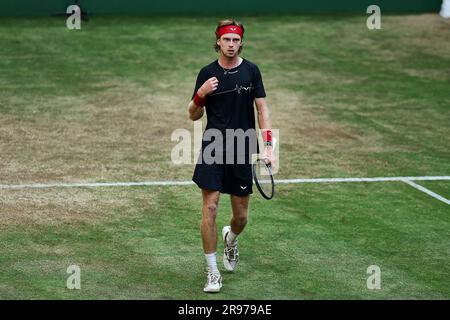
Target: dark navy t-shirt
point(231, 105)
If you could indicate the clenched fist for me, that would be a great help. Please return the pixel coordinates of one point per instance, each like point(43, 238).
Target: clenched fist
point(208, 87)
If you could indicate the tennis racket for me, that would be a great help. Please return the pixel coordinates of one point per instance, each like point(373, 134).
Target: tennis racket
point(263, 178)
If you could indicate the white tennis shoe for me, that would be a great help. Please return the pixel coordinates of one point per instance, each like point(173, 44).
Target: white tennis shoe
point(213, 282)
point(230, 253)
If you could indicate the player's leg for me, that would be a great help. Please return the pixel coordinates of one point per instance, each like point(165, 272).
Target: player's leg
point(209, 238)
point(208, 224)
point(239, 186)
point(239, 205)
point(238, 222)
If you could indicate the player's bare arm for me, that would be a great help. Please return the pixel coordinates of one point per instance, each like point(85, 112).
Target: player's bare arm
point(264, 124)
point(196, 111)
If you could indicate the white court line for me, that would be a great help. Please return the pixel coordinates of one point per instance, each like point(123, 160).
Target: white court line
point(407, 180)
point(378, 179)
point(182, 183)
point(94, 184)
point(427, 191)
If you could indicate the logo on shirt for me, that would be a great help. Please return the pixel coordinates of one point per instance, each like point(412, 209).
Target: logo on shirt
point(243, 88)
point(237, 88)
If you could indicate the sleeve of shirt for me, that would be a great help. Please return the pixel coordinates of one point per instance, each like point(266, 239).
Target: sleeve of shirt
point(259, 86)
point(201, 78)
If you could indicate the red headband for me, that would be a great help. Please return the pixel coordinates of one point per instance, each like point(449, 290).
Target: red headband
point(230, 29)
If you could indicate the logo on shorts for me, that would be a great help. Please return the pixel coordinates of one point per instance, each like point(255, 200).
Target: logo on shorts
point(243, 188)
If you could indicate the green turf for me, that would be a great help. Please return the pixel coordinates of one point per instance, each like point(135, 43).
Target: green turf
point(440, 187)
point(100, 104)
point(311, 242)
point(344, 95)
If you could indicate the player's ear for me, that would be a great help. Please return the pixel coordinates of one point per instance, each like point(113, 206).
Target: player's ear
point(241, 45)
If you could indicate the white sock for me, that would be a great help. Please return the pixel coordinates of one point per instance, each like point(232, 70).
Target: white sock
point(231, 237)
point(212, 263)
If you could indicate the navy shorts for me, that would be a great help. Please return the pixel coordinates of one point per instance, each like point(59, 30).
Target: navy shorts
point(235, 179)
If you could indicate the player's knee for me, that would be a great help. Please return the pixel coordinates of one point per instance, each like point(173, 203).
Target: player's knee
point(210, 211)
point(242, 220)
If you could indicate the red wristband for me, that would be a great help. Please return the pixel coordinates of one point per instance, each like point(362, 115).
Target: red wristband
point(200, 102)
point(267, 136)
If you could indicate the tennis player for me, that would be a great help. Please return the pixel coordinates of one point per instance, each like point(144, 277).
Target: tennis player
point(228, 89)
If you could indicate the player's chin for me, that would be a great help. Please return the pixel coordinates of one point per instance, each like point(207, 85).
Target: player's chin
point(230, 53)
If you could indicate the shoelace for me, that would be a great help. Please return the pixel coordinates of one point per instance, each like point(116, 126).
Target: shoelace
point(213, 277)
point(231, 252)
